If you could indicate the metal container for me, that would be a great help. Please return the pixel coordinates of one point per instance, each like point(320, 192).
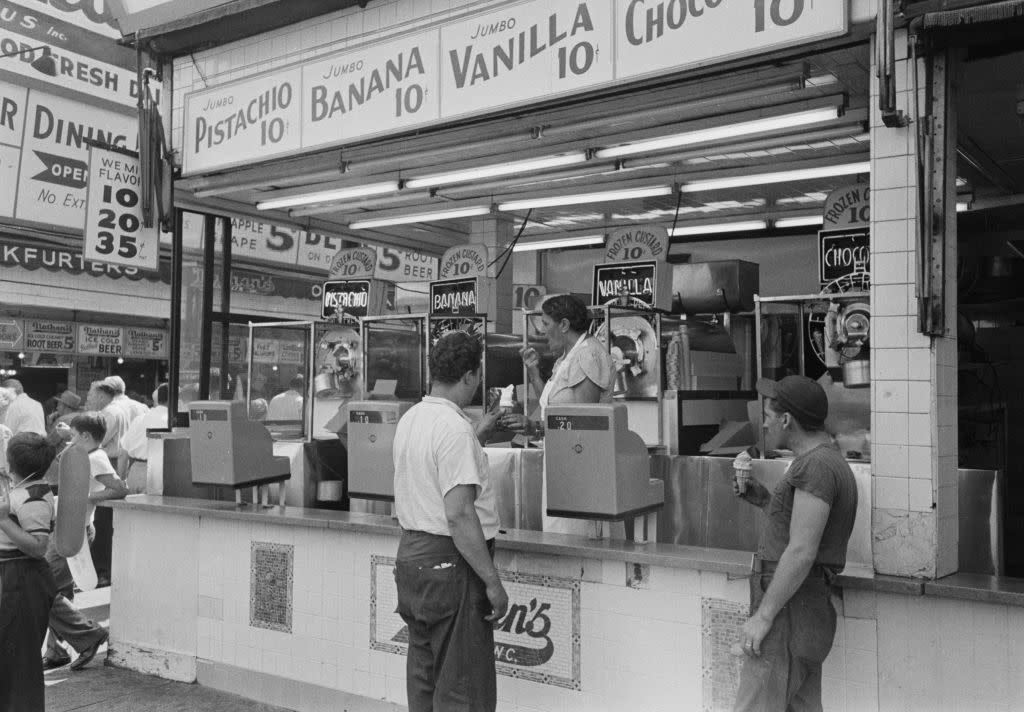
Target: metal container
point(714, 287)
point(857, 373)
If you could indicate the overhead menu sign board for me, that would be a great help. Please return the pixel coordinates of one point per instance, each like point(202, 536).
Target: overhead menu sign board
point(514, 54)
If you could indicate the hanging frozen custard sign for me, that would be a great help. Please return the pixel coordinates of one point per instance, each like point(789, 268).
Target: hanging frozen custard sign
point(638, 242)
point(464, 261)
point(654, 36)
point(252, 120)
point(387, 86)
point(519, 53)
point(354, 262)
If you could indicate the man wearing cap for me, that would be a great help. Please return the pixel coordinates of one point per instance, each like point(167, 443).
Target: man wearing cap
point(803, 546)
point(68, 406)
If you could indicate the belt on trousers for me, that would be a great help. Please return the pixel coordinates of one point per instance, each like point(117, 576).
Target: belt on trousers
point(133, 460)
point(760, 566)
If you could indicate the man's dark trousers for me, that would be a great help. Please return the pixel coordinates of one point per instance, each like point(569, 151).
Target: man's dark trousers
point(450, 666)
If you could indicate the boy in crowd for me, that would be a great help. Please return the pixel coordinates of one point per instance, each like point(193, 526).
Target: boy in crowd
point(89, 430)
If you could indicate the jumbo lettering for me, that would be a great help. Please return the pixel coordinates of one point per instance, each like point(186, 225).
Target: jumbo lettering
point(471, 66)
point(325, 104)
point(255, 113)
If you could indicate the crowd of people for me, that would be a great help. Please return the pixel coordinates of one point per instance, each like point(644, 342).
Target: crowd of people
point(37, 583)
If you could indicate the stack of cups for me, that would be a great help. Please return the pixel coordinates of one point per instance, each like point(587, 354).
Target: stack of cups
point(741, 470)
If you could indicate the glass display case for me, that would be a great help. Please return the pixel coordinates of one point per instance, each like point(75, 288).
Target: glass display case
point(395, 355)
point(278, 383)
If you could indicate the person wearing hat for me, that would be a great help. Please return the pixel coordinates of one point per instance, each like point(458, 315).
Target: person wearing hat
point(810, 518)
point(68, 406)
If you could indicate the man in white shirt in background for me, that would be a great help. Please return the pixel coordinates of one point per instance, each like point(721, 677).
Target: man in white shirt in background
point(24, 414)
point(288, 405)
point(135, 444)
point(134, 407)
point(449, 593)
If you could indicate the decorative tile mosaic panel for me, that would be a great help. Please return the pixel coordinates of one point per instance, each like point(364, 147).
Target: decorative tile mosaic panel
point(270, 586)
point(538, 639)
point(720, 627)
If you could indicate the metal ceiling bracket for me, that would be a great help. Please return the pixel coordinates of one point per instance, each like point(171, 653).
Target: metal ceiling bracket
point(885, 65)
point(933, 155)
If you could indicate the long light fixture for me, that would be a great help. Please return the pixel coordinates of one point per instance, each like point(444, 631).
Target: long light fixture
point(805, 221)
point(559, 242)
point(842, 169)
point(497, 170)
point(717, 133)
point(421, 217)
point(583, 198)
point(718, 228)
point(323, 196)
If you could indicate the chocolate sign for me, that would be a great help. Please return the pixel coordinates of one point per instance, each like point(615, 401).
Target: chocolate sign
point(843, 252)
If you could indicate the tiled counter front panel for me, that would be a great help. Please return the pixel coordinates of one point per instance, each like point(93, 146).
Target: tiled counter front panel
point(627, 637)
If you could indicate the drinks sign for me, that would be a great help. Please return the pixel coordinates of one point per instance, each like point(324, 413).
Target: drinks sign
point(94, 340)
point(53, 336)
point(538, 639)
point(145, 343)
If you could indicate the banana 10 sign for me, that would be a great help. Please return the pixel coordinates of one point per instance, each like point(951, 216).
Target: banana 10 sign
point(114, 232)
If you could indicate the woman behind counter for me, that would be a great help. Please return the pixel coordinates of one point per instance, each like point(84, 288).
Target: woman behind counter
point(583, 373)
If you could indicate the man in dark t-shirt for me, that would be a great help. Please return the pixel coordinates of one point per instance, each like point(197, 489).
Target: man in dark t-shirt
point(803, 546)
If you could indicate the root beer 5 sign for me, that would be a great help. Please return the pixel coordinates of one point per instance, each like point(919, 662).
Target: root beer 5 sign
point(537, 640)
point(509, 55)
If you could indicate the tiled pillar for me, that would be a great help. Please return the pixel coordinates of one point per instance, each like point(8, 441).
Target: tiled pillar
point(913, 398)
point(495, 232)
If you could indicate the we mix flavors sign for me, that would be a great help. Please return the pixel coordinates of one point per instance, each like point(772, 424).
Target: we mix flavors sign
point(509, 55)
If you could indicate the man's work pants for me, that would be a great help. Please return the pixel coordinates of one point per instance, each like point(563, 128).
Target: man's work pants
point(787, 674)
point(450, 666)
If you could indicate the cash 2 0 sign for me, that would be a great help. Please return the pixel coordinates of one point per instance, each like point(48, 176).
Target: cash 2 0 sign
point(114, 232)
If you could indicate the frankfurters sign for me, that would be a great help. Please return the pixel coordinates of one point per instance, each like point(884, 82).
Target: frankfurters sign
point(513, 54)
point(843, 252)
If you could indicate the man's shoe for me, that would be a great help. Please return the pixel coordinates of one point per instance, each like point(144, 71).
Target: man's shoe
point(54, 663)
point(89, 653)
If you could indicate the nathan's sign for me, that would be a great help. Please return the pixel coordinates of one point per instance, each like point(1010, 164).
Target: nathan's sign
point(95, 340)
point(53, 336)
point(509, 54)
point(451, 297)
point(86, 62)
point(538, 639)
point(145, 343)
point(843, 252)
point(639, 242)
point(645, 284)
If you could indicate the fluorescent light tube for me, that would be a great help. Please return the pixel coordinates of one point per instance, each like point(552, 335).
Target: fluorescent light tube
point(324, 196)
point(421, 217)
point(717, 228)
point(717, 133)
point(806, 221)
point(582, 198)
point(496, 170)
point(843, 169)
point(962, 207)
point(559, 242)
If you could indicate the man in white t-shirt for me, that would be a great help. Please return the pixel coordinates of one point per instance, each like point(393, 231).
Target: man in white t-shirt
point(24, 414)
point(449, 593)
point(135, 442)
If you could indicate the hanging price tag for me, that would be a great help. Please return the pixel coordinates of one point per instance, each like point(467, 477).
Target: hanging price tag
point(113, 213)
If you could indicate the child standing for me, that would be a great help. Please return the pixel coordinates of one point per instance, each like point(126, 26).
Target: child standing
point(89, 430)
point(27, 588)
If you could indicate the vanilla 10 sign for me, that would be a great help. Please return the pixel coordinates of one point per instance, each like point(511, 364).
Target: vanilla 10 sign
point(114, 232)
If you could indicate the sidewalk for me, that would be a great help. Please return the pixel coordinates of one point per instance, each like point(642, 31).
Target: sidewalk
point(98, 687)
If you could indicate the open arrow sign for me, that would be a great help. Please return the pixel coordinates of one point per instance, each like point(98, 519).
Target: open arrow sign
point(11, 334)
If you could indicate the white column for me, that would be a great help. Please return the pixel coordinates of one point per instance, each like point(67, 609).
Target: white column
point(914, 391)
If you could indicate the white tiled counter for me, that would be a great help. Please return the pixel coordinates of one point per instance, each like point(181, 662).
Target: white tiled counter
point(296, 608)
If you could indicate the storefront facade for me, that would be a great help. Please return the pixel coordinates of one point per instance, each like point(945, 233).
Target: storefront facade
point(256, 120)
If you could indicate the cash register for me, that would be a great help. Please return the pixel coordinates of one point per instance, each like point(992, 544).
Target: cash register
point(598, 469)
point(371, 437)
point(229, 450)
